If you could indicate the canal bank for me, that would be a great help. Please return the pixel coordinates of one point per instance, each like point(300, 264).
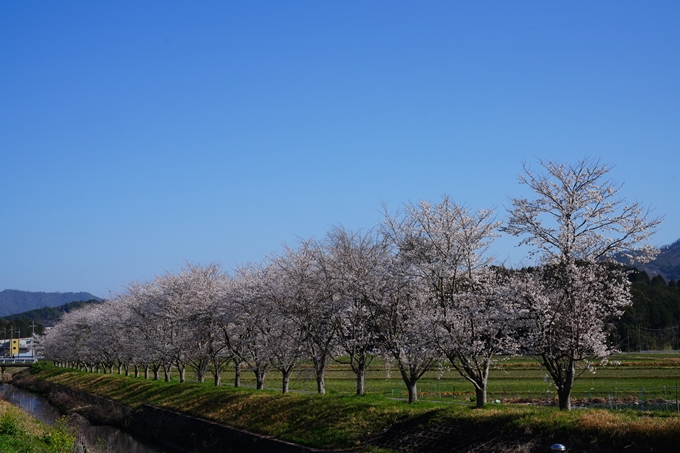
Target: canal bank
point(89, 437)
point(344, 422)
point(172, 431)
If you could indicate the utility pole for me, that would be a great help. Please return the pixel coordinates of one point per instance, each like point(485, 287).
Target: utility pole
point(32, 326)
point(11, 339)
point(639, 340)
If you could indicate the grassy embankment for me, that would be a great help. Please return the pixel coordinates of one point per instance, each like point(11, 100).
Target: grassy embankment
point(344, 421)
point(19, 432)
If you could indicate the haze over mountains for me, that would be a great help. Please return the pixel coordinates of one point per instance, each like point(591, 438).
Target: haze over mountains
point(16, 301)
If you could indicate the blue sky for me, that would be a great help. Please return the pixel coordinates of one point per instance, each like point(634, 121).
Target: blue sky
point(135, 136)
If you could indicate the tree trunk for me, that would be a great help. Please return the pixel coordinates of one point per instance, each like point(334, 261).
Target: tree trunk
point(200, 368)
point(320, 385)
point(564, 396)
point(320, 370)
point(136, 370)
point(120, 368)
point(216, 370)
point(286, 381)
point(564, 390)
point(412, 392)
point(237, 374)
point(182, 373)
point(480, 395)
point(259, 378)
point(361, 381)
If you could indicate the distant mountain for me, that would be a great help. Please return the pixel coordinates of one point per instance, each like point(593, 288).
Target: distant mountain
point(666, 264)
point(47, 316)
point(15, 301)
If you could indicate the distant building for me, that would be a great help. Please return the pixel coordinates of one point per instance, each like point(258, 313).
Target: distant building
point(22, 348)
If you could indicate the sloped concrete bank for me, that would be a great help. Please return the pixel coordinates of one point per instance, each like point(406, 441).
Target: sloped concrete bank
point(178, 432)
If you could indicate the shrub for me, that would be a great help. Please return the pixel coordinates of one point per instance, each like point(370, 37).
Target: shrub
point(9, 424)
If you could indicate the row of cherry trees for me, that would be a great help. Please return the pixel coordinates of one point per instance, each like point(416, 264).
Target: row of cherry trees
point(418, 290)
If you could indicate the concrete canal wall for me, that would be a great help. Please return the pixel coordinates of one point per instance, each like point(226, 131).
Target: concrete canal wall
point(179, 432)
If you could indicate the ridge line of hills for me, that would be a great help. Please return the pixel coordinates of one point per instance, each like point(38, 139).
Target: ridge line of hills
point(666, 264)
point(16, 301)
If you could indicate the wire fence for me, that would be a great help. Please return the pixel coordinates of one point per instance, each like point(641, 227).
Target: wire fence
point(662, 398)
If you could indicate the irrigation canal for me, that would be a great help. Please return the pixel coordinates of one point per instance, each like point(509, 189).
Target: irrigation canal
point(96, 437)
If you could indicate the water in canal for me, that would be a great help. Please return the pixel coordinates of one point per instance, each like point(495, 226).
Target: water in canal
point(106, 439)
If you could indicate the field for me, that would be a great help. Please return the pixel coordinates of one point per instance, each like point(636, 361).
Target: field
point(341, 421)
point(639, 381)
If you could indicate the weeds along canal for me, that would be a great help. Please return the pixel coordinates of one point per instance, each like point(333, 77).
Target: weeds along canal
point(97, 438)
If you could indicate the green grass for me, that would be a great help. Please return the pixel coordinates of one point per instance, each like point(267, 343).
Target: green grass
point(20, 433)
point(646, 376)
point(341, 420)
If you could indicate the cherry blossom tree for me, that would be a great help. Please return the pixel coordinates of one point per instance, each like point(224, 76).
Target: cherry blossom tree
point(285, 337)
point(149, 332)
point(250, 327)
point(357, 264)
point(307, 299)
point(403, 317)
point(576, 222)
point(476, 324)
point(443, 246)
point(566, 313)
point(204, 287)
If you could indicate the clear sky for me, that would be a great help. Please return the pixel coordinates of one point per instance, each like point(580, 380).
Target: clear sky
point(135, 136)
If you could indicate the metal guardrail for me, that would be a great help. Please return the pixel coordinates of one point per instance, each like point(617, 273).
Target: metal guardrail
point(18, 360)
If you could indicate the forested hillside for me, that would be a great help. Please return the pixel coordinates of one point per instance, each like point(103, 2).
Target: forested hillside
point(48, 316)
point(652, 321)
point(15, 301)
point(666, 264)
point(35, 321)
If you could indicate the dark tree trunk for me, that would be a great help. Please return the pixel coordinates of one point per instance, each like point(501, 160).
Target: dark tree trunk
point(412, 392)
point(564, 397)
point(361, 381)
point(480, 395)
point(237, 373)
point(320, 370)
point(286, 381)
point(260, 375)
